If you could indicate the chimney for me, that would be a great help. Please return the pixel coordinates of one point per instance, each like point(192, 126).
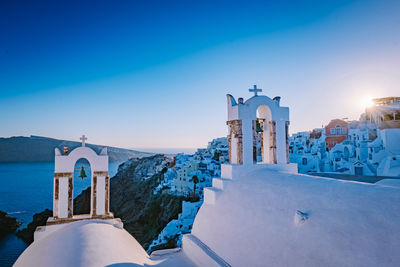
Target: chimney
point(277, 99)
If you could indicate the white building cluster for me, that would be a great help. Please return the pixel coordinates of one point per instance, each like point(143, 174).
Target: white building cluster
point(204, 164)
point(368, 147)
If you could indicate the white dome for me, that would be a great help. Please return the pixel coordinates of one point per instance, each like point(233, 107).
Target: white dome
point(92, 243)
point(84, 243)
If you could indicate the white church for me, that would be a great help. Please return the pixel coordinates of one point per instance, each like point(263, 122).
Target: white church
point(260, 212)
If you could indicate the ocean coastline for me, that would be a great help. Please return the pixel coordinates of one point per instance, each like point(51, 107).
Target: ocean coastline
point(27, 189)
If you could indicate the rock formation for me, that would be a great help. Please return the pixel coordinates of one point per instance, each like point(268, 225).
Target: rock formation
point(39, 219)
point(7, 224)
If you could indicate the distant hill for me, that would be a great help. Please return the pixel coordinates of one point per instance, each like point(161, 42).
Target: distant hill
point(41, 149)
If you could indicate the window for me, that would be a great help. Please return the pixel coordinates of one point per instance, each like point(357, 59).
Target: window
point(333, 131)
point(344, 131)
point(397, 115)
point(338, 129)
point(304, 161)
point(388, 117)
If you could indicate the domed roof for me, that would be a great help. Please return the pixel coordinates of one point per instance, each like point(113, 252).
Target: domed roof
point(93, 243)
point(84, 243)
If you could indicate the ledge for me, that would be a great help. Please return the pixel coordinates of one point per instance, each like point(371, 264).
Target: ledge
point(54, 220)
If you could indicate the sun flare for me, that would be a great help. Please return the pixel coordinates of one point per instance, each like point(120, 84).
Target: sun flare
point(367, 102)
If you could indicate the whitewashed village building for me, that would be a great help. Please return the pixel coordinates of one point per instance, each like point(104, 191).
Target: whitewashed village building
point(369, 147)
point(259, 213)
point(204, 164)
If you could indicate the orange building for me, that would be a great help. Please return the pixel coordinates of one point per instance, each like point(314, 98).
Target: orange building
point(336, 132)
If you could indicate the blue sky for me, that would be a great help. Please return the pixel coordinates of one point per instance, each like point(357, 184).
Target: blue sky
point(145, 74)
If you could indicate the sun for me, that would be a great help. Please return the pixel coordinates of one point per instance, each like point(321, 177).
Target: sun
point(367, 102)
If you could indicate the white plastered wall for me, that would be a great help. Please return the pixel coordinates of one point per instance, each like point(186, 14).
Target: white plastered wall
point(391, 140)
point(67, 163)
point(264, 112)
point(101, 195)
point(234, 142)
point(63, 197)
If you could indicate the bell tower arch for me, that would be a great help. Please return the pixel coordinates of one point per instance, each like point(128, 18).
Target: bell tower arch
point(63, 184)
point(258, 128)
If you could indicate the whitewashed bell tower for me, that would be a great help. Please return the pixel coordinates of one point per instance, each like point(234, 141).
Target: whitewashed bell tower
point(258, 134)
point(262, 116)
point(258, 137)
point(63, 184)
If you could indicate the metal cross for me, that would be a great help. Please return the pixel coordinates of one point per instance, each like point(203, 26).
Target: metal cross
point(255, 90)
point(83, 138)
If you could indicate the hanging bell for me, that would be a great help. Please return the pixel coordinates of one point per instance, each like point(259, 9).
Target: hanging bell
point(82, 174)
point(258, 127)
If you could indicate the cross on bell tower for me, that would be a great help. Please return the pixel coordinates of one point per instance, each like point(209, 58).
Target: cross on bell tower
point(255, 90)
point(83, 138)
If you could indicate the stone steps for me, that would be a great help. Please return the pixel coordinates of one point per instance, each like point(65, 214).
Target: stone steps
point(211, 194)
point(220, 183)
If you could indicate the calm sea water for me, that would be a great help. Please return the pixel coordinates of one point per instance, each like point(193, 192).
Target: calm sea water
point(26, 189)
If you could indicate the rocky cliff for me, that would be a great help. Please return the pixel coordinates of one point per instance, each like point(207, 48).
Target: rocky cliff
point(39, 219)
point(131, 198)
point(7, 224)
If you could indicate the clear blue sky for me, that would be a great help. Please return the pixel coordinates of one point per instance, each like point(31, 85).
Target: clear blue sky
point(155, 73)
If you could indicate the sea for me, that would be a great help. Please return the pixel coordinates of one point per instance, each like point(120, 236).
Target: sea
point(26, 189)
